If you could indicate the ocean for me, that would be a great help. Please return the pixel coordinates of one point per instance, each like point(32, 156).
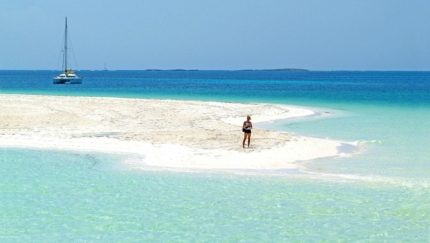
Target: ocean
point(380, 193)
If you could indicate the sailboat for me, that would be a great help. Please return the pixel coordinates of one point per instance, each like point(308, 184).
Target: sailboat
point(68, 76)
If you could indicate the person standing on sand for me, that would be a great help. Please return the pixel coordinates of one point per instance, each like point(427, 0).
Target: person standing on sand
point(246, 128)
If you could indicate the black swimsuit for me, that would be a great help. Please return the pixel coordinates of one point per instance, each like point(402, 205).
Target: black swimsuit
point(247, 130)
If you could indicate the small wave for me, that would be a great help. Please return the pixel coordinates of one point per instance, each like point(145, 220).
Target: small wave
point(396, 181)
point(369, 142)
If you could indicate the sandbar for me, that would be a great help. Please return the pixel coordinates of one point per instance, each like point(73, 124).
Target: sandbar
point(165, 133)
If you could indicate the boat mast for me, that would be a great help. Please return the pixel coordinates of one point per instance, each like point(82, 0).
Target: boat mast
point(65, 48)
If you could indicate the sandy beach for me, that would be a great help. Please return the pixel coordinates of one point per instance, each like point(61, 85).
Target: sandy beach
point(164, 133)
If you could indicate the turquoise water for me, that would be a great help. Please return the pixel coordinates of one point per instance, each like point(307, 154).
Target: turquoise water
point(48, 196)
point(380, 194)
point(393, 141)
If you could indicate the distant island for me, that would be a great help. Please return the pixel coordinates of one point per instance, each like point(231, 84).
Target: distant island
point(276, 70)
point(182, 70)
point(279, 69)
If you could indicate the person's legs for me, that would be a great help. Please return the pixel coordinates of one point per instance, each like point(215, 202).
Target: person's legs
point(244, 138)
point(249, 139)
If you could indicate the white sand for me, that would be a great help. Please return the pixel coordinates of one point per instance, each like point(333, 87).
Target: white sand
point(169, 133)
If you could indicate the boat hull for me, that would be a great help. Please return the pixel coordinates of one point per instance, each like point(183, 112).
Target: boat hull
point(67, 80)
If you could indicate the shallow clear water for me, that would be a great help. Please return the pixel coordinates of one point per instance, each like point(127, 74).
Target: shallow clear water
point(49, 196)
point(380, 194)
point(393, 141)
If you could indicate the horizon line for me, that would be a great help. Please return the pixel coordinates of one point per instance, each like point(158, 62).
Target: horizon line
point(244, 70)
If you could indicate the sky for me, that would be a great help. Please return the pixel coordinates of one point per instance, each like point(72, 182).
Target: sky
point(217, 35)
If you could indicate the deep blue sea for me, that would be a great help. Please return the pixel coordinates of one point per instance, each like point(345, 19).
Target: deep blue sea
point(379, 194)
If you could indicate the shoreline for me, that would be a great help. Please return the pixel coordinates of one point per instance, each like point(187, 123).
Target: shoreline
point(165, 133)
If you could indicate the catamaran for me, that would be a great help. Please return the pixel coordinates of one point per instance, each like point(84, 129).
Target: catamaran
point(68, 76)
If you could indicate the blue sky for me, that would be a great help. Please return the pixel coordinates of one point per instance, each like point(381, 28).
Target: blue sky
point(218, 35)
